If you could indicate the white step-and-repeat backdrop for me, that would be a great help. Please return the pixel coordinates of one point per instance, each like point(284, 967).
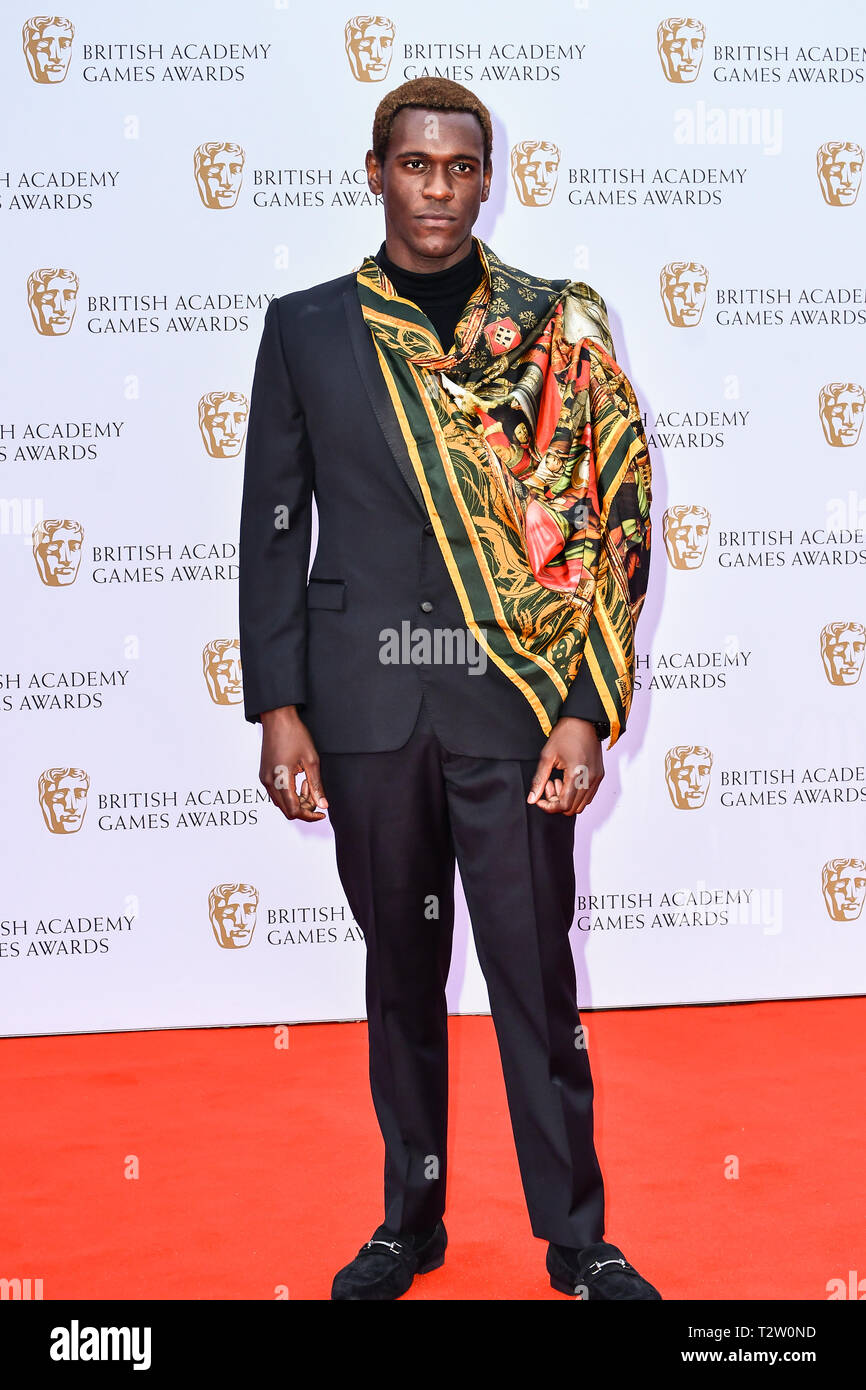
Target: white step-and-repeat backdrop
point(169, 168)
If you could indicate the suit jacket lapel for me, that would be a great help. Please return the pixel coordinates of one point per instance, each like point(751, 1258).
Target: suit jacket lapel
point(368, 366)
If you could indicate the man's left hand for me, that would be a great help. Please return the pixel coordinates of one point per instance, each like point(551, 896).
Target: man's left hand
point(575, 748)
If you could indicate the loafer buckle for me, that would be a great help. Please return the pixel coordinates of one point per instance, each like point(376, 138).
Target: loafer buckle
point(599, 1264)
point(393, 1245)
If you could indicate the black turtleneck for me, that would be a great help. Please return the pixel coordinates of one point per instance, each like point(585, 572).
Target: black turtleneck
point(440, 294)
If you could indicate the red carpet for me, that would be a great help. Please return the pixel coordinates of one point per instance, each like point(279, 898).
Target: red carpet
point(261, 1168)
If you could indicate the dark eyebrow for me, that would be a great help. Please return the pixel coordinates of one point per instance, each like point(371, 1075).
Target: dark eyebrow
point(425, 154)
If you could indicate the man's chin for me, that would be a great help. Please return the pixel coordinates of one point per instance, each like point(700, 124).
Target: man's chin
point(427, 239)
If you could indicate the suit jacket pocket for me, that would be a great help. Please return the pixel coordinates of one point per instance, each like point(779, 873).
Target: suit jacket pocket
point(326, 593)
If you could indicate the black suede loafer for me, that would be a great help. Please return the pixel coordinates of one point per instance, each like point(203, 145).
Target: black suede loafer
point(385, 1267)
point(599, 1271)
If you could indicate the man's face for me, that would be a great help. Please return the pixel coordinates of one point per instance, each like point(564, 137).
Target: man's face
point(432, 182)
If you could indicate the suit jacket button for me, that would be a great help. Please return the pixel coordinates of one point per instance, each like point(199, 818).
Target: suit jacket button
point(428, 529)
point(426, 606)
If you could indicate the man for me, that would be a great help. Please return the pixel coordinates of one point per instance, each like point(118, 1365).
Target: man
point(479, 469)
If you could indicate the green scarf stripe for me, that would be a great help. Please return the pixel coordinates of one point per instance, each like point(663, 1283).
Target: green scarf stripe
point(414, 316)
point(600, 651)
point(620, 451)
point(621, 459)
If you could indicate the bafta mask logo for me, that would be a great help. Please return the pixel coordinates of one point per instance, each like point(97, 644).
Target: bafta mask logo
point(369, 42)
point(219, 172)
point(57, 549)
point(52, 294)
point(47, 47)
point(63, 798)
point(843, 883)
point(683, 287)
point(840, 169)
point(232, 908)
point(221, 660)
point(686, 530)
point(534, 171)
point(687, 774)
point(681, 48)
point(222, 419)
point(843, 646)
point(840, 406)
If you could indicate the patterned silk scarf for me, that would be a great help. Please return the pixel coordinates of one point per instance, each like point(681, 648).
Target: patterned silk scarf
point(528, 446)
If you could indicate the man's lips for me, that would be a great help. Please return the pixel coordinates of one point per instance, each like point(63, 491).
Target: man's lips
point(435, 217)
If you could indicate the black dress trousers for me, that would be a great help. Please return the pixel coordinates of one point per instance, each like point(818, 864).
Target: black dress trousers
point(401, 818)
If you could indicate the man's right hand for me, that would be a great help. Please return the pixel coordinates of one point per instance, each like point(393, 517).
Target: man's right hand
point(287, 750)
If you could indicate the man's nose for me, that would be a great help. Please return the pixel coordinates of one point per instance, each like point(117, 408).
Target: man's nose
point(437, 186)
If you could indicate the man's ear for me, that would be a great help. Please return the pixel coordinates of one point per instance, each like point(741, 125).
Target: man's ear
point(485, 187)
point(374, 172)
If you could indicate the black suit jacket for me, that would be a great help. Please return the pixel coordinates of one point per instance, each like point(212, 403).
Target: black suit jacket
point(321, 425)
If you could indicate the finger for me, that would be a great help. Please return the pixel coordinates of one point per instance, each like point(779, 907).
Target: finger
point(574, 784)
point(314, 776)
point(289, 801)
point(551, 801)
point(275, 780)
point(584, 791)
point(278, 797)
point(306, 806)
point(280, 786)
point(305, 797)
point(590, 794)
point(546, 763)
